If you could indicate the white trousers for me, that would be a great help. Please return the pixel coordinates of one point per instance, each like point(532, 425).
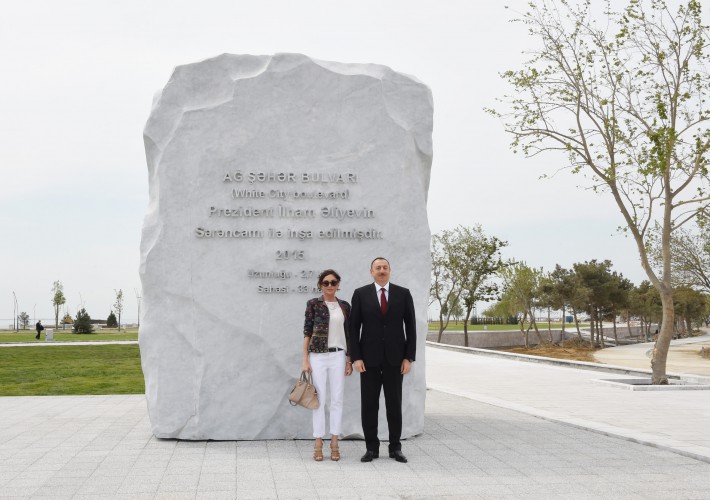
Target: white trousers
point(330, 367)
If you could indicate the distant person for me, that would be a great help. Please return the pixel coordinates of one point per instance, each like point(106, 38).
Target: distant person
point(383, 352)
point(326, 355)
point(39, 329)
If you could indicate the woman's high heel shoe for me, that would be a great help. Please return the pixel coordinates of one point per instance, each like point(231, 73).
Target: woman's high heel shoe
point(334, 451)
point(318, 450)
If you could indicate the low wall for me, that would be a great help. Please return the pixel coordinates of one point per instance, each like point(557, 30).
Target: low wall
point(492, 338)
point(486, 339)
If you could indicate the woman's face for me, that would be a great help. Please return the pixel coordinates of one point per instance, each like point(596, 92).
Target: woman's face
point(327, 283)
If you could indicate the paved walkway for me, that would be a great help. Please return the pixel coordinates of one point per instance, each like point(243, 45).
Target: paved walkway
point(482, 439)
point(674, 420)
point(683, 355)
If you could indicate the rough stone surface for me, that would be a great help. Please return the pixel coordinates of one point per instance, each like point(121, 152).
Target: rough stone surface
point(219, 353)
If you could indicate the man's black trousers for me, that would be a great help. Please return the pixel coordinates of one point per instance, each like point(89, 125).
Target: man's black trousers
point(372, 381)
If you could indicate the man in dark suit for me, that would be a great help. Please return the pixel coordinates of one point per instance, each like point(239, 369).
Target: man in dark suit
point(383, 344)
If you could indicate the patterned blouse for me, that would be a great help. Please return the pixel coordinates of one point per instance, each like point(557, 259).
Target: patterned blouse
point(316, 324)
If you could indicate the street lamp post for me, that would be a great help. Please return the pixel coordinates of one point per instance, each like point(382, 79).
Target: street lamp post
point(138, 299)
point(14, 309)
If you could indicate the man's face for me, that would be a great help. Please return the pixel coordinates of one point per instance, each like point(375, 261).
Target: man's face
point(380, 271)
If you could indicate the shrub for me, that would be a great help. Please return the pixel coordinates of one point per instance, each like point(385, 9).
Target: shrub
point(111, 321)
point(82, 323)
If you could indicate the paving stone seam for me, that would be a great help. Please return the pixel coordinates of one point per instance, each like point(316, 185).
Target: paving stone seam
point(579, 423)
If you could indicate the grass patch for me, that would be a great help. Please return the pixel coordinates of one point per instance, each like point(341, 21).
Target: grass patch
point(63, 370)
point(68, 336)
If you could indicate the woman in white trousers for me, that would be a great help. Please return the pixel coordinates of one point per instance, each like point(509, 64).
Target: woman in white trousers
point(326, 355)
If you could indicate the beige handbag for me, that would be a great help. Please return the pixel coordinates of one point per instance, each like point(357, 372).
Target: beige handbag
point(304, 393)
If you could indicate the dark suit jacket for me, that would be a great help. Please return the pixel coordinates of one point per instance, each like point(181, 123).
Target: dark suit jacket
point(392, 337)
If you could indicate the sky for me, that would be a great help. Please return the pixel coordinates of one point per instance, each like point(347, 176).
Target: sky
point(78, 79)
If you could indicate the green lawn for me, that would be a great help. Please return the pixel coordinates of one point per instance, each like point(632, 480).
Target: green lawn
point(67, 336)
point(62, 370)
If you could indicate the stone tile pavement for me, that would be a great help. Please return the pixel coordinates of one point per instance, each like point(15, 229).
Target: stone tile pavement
point(672, 420)
point(97, 447)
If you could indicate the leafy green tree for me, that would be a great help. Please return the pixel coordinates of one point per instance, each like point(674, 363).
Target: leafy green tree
point(645, 303)
point(456, 309)
point(464, 261)
point(706, 314)
point(597, 279)
point(476, 260)
point(58, 299)
point(567, 293)
point(626, 101)
point(690, 251)
point(548, 300)
point(82, 323)
point(690, 306)
point(23, 319)
point(619, 298)
point(521, 285)
point(445, 283)
point(118, 306)
point(111, 321)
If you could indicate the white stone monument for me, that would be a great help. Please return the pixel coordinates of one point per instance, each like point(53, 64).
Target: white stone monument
point(263, 171)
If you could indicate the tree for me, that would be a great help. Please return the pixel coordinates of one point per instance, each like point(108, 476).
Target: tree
point(706, 315)
point(454, 306)
point(82, 323)
point(690, 306)
point(111, 321)
point(445, 283)
point(521, 285)
point(58, 299)
point(463, 262)
point(645, 302)
point(118, 306)
point(626, 102)
point(619, 298)
point(548, 299)
point(690, 251)
point(478, 260)
point(603, 292)
point(23, 319)
point(567, 293)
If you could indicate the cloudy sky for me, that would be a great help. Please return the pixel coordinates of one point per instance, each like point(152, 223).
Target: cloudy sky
point(78, 78)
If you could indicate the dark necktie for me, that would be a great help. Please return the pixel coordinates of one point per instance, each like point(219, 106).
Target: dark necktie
point(383, 301)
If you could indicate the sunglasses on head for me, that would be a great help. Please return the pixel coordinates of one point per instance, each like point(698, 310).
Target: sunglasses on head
point(330, 283)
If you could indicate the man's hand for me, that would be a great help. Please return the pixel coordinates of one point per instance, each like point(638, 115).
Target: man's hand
point(406, 366)
point(359, 365)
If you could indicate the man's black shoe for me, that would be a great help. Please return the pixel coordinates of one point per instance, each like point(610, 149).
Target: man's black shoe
point(398, 456)
point(369, 455)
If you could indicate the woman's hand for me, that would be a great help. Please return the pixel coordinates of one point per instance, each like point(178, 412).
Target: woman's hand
point(306, 366)
point(348, 368)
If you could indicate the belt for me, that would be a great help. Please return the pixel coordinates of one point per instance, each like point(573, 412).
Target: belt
point(334, 349)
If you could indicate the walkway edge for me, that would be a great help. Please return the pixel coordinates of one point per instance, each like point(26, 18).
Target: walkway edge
point(696, 452)
point(583, 365)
